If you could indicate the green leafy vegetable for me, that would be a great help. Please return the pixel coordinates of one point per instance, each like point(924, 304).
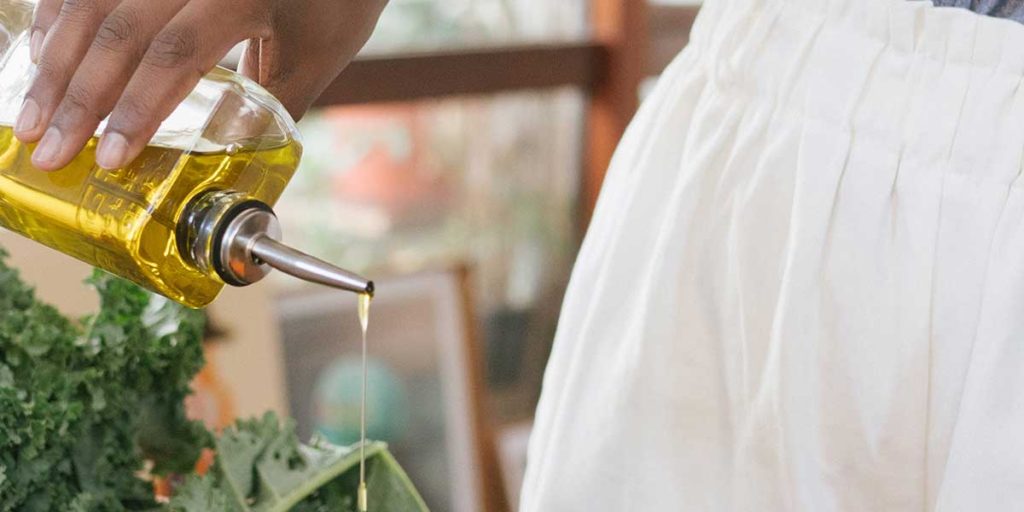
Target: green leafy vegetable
point(261, 467)
point(88, 407)
point(84, 404)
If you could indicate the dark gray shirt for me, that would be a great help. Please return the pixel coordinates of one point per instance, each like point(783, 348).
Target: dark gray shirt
point(1013, 9)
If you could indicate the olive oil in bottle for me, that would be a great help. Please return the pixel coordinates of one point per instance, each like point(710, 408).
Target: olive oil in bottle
point(126, 220)
point(364, 322)
point(191, 213)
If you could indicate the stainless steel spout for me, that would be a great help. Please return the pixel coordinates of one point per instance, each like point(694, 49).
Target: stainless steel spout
point(239, 239)
point(308, 268)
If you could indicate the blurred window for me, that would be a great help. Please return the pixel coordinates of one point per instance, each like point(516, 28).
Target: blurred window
point(427, 24)
point(490, 183)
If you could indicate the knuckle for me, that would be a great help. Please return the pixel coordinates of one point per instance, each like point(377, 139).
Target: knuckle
point(130, 114)
point(79, 101)
point(118, 31)
point(49, 72)
point(79, 10)
point(174, 47)
point(45, 15)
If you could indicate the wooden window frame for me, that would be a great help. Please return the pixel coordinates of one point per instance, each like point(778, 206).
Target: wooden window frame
point(629, 42)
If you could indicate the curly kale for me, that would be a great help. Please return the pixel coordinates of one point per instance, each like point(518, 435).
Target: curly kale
point(84, 404)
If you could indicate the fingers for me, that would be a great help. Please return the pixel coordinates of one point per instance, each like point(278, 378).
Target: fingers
point(67, 41)
point(189, 46)
point(45, 16)
point(114, 54)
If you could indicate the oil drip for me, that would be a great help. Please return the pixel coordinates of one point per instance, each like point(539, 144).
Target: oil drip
point(364, 322)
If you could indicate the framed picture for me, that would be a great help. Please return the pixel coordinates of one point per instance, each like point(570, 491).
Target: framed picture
point(423, 380)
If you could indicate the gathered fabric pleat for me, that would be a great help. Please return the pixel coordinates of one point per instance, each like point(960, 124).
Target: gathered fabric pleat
point(803, 286)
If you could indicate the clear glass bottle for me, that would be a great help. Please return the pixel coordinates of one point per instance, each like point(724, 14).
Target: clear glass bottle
point(212, 172)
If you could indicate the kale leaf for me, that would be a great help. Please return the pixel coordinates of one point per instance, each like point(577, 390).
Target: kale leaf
point(262, 467)
point(84, 404)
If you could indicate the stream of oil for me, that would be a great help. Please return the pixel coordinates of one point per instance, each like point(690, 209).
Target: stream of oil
point(364, 322)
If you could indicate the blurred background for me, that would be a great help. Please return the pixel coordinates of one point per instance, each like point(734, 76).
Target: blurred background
point(456, 162)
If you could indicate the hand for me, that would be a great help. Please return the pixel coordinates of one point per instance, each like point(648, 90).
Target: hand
point(136, 60)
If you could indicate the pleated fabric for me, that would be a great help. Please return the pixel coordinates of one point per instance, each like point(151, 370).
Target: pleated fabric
point(803, 287)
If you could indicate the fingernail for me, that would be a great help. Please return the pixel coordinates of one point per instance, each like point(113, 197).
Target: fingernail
point(35, 45)
point(48, 148)
point(112, 151)
point(28, 118)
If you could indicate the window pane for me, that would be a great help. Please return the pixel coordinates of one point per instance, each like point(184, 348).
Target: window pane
point(424, 24)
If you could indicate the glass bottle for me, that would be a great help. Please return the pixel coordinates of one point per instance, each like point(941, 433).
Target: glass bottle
point(190, 214)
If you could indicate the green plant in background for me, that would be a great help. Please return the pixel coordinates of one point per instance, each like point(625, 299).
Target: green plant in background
point(87, 407)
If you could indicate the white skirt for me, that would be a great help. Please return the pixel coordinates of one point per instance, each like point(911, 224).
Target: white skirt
point(803, 288)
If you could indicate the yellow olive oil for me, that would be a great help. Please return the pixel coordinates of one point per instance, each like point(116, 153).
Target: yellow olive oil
point(364, 322)
point(125, 220)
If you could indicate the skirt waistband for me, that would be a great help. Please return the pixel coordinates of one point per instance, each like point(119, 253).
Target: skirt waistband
point(933, 83)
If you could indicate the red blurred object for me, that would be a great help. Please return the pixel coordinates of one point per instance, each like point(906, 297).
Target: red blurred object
point(395, 172)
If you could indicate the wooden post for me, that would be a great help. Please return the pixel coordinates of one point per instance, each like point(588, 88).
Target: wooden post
point(492, 488)
point(621, 27)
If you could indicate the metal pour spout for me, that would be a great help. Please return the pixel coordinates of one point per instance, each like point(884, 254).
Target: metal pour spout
point(303, 266)
point(239, 239)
